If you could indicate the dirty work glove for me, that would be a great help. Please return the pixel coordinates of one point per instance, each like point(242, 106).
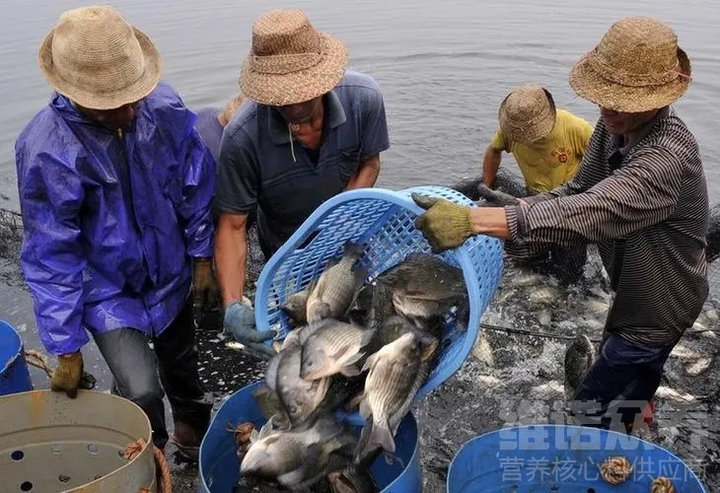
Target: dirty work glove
point(204, 287)
point(240, 322)
point(67, 375)
point(445, 224)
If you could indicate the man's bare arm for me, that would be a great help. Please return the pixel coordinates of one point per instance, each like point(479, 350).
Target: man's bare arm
point(367, 173)
point(231, 256)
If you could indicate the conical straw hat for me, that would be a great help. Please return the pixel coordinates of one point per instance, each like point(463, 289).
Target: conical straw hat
point(290, 62)
point(527, 114)
point(636, 67)
point(95, 58)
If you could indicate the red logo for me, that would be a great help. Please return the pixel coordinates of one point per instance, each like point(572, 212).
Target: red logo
point(561, 154)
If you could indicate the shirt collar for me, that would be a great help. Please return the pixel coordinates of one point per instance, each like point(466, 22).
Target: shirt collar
point(641, 134)
point(334, 117)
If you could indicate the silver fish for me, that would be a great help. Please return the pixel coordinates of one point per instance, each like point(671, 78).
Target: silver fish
point(426, 287)
point(296, 459)
point(301, 398)
point(396, 372)
point(337, 287)
point(579, 357)
point(331, 349)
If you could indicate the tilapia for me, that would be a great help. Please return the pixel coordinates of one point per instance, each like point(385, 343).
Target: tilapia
point(425, 288)
point(353, 480)
point(297, 459)
point(295, 305)
point(337, 287)
point(301, 398)
point(496, 197)
point(579, 357)
point(269, 403)
point(396, 372)
point(331, 349)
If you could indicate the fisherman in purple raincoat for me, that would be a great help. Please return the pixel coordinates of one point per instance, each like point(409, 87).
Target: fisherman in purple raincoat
point(115, 191)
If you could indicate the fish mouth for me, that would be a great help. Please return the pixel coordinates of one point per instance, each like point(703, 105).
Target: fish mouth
point(253, 461)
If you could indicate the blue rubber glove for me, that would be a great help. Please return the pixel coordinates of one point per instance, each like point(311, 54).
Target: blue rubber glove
point(240, 323)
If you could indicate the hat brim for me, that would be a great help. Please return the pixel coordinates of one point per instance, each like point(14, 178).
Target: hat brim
point(589, 84)
point(93, 99)
point(297, 87)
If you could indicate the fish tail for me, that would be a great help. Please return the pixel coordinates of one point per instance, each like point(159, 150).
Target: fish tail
point(382, 436)
point(363, 447)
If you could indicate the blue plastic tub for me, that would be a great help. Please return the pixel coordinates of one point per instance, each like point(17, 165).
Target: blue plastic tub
point(14, 374)
point(561, 458)
point(382, 220)
point(220, 470)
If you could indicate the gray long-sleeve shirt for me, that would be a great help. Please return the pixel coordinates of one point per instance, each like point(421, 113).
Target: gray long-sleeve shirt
point(646, 207)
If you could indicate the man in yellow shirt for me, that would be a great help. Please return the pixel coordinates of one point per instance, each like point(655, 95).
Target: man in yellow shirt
point(548, 145)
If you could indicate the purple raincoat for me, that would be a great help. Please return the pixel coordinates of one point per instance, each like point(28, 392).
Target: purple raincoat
point(112, 219)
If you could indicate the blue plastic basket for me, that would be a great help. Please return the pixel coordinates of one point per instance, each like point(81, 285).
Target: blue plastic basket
point(14, 373)
point(561, 458)
point(219, 468)
point(382, 220)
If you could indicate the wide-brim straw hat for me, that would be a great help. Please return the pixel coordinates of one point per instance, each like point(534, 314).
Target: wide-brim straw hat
point(290, 62)
point(527, 114)
point(98, 60)
point(637, 66)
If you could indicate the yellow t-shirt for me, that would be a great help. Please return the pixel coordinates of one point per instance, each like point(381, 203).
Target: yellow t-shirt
point(554, 159)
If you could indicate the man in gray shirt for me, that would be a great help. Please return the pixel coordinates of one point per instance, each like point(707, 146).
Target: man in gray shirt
point(310, 131)
point(640, 194)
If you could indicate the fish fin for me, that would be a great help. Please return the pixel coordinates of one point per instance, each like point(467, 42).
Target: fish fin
point(254, 436)
point(369, 362)
point(365, 409)
point(364, 446)
point(354, 402)
point(382, 436)
point(266, 429)
point(350, 367)
point(271, 372)
point(428, 351)
point(367, 337)
point(351, 370)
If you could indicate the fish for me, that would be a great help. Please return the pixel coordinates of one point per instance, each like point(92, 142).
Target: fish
point(579, 357)
point(337, 287)
point(353, 480)
point(425, 288)
point(496, 197)
point(269, 402)
point(297, 459)
point(331, 349)
point(300, 398)
point(295, 305)
point(395, 373)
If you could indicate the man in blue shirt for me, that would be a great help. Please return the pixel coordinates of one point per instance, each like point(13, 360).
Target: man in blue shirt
point(115, 188)
point(311, 130)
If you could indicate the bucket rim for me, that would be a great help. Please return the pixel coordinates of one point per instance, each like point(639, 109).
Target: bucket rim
point(11, 361)
point(140, 414)
point(599, 431)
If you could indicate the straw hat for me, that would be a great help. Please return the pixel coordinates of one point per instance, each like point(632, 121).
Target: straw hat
point(290, 62)
point(95, 58)
point(636, 67)
point(230, 108)
point(527, 114)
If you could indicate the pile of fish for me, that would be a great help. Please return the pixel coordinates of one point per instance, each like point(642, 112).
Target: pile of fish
point(354, 346)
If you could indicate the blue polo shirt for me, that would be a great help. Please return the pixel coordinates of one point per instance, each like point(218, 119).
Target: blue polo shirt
point(261, 168)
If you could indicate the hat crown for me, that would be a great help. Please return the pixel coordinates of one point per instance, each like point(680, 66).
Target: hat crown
point(637, 51)
point(284, 32)
point(526, 104)
point(96, 47)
